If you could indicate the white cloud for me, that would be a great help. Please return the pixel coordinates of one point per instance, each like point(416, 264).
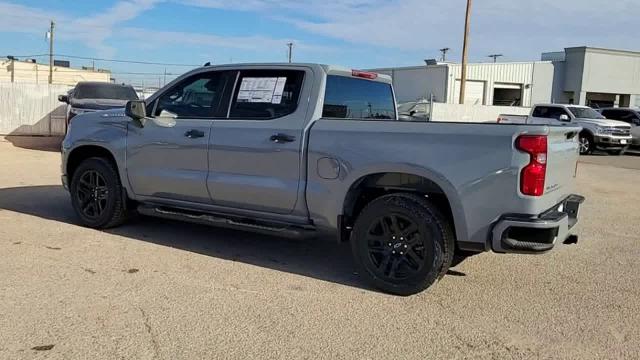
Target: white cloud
point(154, 38)
point(23, 19)
point(95, 30)
point(521, 29)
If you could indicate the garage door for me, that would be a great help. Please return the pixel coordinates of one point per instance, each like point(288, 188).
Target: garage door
point(474, 92)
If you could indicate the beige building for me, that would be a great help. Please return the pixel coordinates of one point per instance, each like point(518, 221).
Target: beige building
point(34, 73)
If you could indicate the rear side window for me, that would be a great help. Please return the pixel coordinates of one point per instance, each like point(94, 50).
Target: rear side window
point(349, 98)
point(266, 94)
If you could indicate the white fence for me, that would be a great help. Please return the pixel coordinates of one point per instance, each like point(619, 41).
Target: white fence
point(473, 113)
point(31, 109)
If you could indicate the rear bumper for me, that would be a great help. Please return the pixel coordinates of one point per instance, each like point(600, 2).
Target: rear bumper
point(526, 234)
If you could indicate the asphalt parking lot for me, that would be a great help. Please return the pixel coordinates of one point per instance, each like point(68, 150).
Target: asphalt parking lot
point(162, 290)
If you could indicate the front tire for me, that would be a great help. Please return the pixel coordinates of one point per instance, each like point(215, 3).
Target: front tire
point(586, 144)
point(402, 243)
point(97, 194)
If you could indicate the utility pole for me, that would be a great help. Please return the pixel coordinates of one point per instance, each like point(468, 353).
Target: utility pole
point(13, 68)
point(465, 53)
point(444, 52)
point(165, 77)
point(290, 46)
point(51, 52)
point(495, 57)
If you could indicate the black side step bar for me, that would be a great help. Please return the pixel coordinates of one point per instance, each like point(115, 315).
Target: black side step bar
point(230, 222)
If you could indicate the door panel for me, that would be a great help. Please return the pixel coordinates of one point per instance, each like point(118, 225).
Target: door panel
point(255, 159)
point(168, 158)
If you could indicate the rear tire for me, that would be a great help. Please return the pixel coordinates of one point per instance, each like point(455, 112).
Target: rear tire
point(586, 144)
point(97, 194)
point(402, 243)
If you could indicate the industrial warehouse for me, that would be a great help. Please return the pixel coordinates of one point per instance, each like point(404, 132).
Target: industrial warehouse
point(579, 75)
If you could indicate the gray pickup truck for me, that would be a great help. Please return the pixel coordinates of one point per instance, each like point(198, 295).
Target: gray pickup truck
point(316, 151)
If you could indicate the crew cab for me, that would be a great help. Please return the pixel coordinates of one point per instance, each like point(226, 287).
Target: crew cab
point(311, 151)
point(597, 131)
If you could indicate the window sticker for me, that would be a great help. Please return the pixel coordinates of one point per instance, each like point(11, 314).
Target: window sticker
point(262, 90)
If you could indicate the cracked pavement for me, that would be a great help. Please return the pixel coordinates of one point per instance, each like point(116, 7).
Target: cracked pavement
point(156, 289)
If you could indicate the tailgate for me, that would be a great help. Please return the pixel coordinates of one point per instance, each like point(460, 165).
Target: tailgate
point(562, 158)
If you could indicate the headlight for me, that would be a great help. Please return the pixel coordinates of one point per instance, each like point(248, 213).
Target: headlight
point(77, 111)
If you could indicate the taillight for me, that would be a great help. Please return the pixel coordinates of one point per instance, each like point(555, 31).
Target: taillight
point(533, 175)
point(364, 74)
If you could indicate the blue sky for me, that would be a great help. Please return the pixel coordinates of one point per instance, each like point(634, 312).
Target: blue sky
point(356, 33)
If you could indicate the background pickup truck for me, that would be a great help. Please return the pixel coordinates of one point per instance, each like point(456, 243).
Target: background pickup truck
point(318, 151)
point(597, 131)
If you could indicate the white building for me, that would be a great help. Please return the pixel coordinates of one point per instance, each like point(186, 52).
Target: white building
point(586, 76)
point(507, 84)
point(30, 72)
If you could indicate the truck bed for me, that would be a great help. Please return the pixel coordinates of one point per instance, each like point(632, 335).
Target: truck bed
point(475, 165)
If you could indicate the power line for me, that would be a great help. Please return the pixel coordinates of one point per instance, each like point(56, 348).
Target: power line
point(123, 61)
point(101, 59)
point(23, 56)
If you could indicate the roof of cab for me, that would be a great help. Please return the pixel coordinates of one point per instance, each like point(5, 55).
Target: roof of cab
point(329, 69)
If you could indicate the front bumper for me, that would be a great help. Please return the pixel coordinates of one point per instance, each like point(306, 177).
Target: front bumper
point(613, 142)
point(526, 234)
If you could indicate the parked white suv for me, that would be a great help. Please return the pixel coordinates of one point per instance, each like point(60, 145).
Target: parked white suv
point(597, 131)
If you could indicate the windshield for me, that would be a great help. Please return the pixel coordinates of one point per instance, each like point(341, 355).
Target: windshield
point(585, 113)
point(104, 91)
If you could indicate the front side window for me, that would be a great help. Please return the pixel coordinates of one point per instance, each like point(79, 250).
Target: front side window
point(266, 94)
point(198, 96)
point(549, 112)
point(349, 98)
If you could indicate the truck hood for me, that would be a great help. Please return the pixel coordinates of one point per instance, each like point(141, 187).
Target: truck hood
point(98, 104)
point(603, 122)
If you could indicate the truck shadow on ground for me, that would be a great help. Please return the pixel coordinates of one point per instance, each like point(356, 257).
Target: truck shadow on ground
point(42, 143)
point(323, 260)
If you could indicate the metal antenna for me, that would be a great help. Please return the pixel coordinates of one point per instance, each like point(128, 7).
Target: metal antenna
point(444, 52)
point(495, 57)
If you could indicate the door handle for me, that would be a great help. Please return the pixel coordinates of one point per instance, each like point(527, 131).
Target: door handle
point(282, 138)
point(193, 134)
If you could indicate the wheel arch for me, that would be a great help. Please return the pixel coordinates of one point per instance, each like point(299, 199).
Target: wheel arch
point(83, 152)
point(374, 184)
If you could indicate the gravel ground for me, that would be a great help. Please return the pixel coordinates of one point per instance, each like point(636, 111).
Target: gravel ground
point(163, 290)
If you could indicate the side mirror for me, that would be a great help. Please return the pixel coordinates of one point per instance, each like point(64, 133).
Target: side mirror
point(136, 109)
point(564, 117)
point(63, 98)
